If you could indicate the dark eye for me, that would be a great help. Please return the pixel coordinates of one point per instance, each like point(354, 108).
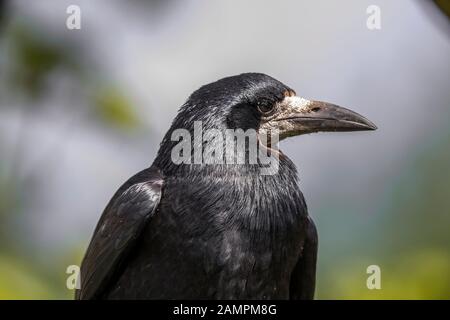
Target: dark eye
point(266, 108)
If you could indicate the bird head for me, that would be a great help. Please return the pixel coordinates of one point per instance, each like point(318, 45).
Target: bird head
point(262, 103)
point(258, 101)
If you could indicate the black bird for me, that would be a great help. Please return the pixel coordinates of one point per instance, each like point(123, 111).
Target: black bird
point(216, 230)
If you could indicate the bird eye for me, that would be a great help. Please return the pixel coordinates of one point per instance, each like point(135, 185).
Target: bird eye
point(266, 108)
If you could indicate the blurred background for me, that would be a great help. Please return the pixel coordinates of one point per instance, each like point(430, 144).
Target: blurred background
point(83, 110)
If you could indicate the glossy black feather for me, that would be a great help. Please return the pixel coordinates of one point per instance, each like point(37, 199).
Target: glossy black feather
point(118, 230)
point(303, 278)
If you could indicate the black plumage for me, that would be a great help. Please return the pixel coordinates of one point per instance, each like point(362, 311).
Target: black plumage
point(215, 231)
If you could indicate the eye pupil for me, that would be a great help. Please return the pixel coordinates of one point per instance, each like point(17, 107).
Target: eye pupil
point(265, 108)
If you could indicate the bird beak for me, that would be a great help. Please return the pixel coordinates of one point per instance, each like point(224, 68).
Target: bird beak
point(299, 116)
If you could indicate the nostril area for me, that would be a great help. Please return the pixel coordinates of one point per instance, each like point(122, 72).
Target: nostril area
point(315, 109)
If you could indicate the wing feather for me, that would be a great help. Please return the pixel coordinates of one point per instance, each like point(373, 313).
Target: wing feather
point(303, 278)
point(118, 230)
